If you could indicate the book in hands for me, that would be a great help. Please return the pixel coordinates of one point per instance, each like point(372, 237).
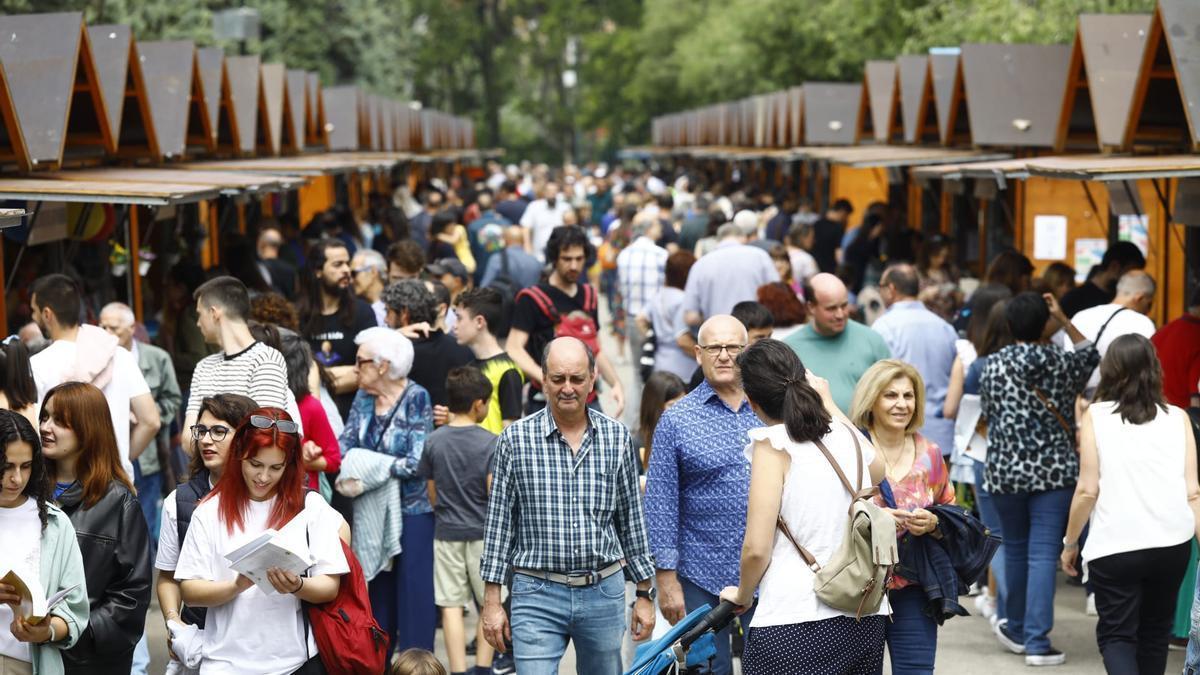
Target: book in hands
point(35, 606)
point(286, 549)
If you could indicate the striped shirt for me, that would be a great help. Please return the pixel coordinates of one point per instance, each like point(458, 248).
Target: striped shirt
point(641, 268)
point(557, 511)
point(258, 371)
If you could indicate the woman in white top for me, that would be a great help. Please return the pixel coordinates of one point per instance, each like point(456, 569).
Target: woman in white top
point(249, 629)
point(793, 631)
point(1137, 482)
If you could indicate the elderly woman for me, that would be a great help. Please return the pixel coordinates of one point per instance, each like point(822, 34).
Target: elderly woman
point(889, 403)
point(1027, 394)
point(382, 441)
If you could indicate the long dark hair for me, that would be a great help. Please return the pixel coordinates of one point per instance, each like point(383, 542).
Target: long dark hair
point(996, 333)
point(1131, 376)
point(982, 301)
point(19, 386)
point(14, 428)
point(310, 286)
point(773, 379)
point(662, 386)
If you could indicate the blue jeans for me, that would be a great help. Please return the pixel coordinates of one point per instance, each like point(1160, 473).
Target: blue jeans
point(402, 598)
point(695, 597)
point(149, 495)
point(1033, 525)
point(991, 518)
point(545, 615)
point(911, 635)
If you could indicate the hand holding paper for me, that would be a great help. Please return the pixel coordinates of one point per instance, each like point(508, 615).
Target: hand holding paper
point(22, 591)
point(286, 550)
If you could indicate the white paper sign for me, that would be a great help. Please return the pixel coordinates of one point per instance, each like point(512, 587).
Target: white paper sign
point(1049, 237)
point(1135, 229)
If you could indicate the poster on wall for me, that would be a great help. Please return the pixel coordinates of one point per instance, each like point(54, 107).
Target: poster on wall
point(1049, 237)
point(1136, 229)
point(1088, 252)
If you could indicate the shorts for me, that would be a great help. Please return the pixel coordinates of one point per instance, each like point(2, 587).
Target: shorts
point(456, 579)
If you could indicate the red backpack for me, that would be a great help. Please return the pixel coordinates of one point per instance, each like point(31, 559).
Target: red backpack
point(577, 324)
point(349, 640)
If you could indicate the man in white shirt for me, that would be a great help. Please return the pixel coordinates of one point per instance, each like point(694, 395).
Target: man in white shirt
point(55, 301)
point(1125, 315)
point(541, 217)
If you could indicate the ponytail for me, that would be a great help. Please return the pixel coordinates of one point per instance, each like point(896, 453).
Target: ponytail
point(773, 378)
point(804, 414)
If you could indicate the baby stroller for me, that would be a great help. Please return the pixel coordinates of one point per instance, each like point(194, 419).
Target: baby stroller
point(687, 646)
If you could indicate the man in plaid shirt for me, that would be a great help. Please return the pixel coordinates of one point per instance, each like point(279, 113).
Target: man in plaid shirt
point(565, 515)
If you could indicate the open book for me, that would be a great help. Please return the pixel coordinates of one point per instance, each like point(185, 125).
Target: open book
point(35, 606)
point(286, 549)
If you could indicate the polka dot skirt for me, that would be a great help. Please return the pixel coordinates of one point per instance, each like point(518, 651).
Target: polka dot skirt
point(837, 646)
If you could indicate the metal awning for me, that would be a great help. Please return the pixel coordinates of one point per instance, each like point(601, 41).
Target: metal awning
point(883, 156)
point(303, 165)
point(228, 182)
point(104, 192)
point(1107, 169)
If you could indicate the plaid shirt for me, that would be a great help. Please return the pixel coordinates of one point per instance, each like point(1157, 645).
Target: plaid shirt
point(556, 512)
point(641, 269)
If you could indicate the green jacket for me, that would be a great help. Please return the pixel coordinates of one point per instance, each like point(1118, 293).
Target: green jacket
point(62, 567)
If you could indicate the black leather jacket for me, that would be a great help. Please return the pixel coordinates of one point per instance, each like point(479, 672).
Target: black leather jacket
point(116, 562)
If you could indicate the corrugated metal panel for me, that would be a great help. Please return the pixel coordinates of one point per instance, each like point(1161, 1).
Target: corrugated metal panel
point(943, 69)
point(341, 117)
point(916, 95)
point(1113, 47)
point(881, 90)
point(242, 73)
point(110, 53)
point(210, 62)
point(272, 83)
point(166, 69)
point(831, 112)
point(1015, 92)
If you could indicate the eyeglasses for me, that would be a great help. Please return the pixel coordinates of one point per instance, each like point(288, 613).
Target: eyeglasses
point(360, 270)
point(715, 350)
point(264, 422)
point(360, 362)
point(216, 432)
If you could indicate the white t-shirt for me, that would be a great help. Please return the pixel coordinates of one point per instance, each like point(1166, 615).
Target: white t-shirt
point(168, 534)
point(541, 219)
point(52, 366)
point(814, 504)
point(256, 632)
point(1089, 321)
point(22, 550)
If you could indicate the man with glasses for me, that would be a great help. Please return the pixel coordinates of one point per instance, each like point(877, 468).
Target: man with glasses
point(698, 483)
point(368, 271)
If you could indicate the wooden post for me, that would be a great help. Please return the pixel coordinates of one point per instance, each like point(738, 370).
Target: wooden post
point(241, 216)
point(135, 261)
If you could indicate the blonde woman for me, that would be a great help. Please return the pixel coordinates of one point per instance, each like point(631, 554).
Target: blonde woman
point(889, 405)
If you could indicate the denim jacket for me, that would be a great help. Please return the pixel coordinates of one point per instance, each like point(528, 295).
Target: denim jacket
point(61, 567)
point(405, 427)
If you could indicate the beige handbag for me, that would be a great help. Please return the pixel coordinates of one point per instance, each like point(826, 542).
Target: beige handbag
point(855, 578)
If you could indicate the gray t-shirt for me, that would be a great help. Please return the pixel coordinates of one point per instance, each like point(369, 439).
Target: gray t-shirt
point(458, 460)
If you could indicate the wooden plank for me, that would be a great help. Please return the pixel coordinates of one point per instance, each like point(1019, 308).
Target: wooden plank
point(242, 91)
point(295, 107)
point(1113, 47)
point(210, 75)
point(270, 102)
point(166, 69)
point(880, 85)
point(831, 112)
point(100, 192)
point(1015, 92)
point(1104, 167)
point(225, 180)
point(111, 46)
point(340, 107)
point(917, 107)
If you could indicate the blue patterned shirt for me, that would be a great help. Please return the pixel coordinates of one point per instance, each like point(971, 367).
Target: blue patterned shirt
point(697, 487)
point(401, 433)
point(557, 511)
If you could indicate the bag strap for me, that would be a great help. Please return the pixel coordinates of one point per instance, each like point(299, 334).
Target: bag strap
point(1105, 325)
point(1062, 421)
point(807, 557)
point(543, 301)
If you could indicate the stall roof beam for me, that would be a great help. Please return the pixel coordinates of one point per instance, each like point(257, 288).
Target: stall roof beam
point(1107, 168)
point(100, 192)
point(882, 156)
point(228, 182)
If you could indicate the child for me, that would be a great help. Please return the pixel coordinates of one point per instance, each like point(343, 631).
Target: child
point(456, 462)
point(479, 311)
point(416, 662)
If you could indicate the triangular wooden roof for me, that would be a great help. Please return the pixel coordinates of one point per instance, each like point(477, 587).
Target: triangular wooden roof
point(1105, 61)
point(881, 85)
point(270, 104)
point(205, 118)
point(1016, 92)
point(1168, 86)
point(832, 111)
point(315, 124)
point(917, 106)
point(51, 100)
point(954, 122)
point(340, 106)
point(241, 100)
point(166, 69)
point(112, 45)
point(295, 110)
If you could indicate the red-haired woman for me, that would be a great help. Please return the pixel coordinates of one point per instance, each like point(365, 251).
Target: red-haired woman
point(247, 629)
point(96, 494)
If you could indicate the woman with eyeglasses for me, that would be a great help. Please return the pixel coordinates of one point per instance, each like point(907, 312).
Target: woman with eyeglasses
point(248, 629)
point(211, 437)
point(96, 494)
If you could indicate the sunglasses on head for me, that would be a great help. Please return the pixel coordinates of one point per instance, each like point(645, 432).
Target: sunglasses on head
point(264, 422)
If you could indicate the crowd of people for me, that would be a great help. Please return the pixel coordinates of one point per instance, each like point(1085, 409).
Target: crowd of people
point(583, 404)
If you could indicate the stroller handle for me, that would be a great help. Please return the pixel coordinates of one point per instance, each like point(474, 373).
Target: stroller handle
point(716, 620)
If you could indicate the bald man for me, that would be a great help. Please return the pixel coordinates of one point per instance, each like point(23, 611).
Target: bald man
point(565, 515)
point(699, 480)
point(523, 269)
point(832, 344)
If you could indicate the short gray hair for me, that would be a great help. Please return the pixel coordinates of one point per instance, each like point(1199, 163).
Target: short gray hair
point(373, 259)
point(1136, 282)
point(729, 230)
point(122, 310)
point(390, 346)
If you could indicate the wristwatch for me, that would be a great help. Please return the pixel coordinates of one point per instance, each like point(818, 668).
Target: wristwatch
point(650, 595)
point(1070, 544)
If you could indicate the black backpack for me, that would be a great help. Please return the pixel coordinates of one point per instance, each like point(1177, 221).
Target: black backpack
point(507, 287)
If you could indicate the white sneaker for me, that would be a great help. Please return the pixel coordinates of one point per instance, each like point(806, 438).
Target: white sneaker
point(1090, 607)
point(985, 605)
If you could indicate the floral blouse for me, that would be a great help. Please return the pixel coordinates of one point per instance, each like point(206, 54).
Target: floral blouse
point(400, 433)
point(927, 483)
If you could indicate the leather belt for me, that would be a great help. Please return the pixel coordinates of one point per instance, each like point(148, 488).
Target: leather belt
point(573, 580)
